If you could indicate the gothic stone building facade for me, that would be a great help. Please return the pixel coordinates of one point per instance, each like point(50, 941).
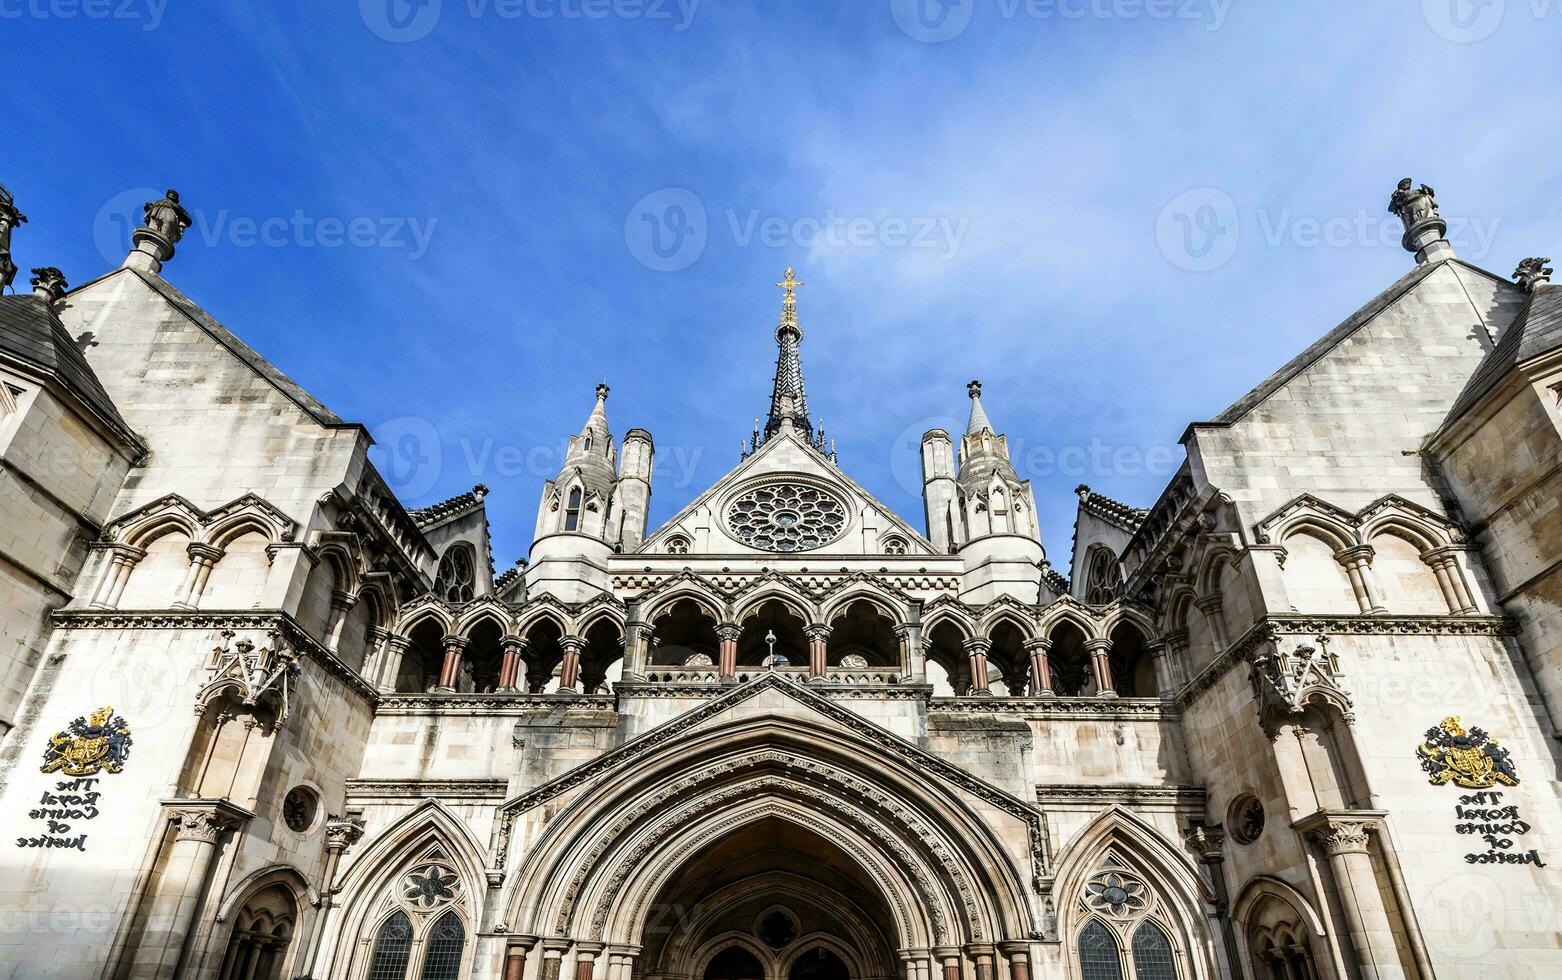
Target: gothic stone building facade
point(1296, 720)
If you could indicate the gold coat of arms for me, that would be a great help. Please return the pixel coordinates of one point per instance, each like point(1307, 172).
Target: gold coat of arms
point(1470, 758)
point(89, 746)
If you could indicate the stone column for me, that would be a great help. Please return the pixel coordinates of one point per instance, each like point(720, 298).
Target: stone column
point(1209, 843)
point(450, 670)
point(1101, 666)
point(203, 558)
point(640, 637)
point(913, 658)
point(1176, 657)
point(553, 957)
point(340, 834)
point(390, 662)
point(1345, 837)
point(586, 959)
point(1357, 563)
point(818, 652)
point(727, 661)
point(1019, 959)
point(514, 648)
point(569, 673)
point(180, 889)
point(342, 603)
point(515, 956)
point(949, 958)
point(976, 649)
point(1444, 563)
point(1157, 649)
point(122, 560)
point(983, 957)
point(1213, 608)
point(1040, 670)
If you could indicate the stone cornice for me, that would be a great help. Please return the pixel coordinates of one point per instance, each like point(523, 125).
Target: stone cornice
point(1094, 794)
point(464, 789)
point(1062, 709)
point(1274, 627)
point(490, 704)
point(236, 620)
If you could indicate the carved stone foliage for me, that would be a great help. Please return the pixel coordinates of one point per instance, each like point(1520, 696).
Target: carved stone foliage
point(254, 680)
point(1285, 682)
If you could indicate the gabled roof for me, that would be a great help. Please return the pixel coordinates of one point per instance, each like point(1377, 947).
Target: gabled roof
point(287, 386)
point(755, 465)
point(1338, 335)
point(1535, 331)
point(32, 333)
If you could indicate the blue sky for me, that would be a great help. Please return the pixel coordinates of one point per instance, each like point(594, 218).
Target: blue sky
point(1119, 214)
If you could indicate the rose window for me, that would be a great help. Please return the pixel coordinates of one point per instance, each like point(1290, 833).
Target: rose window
point(1116, 894)
point(429, 886)
point(787, 517)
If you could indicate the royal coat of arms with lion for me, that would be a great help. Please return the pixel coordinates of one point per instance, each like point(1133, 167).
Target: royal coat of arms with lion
point(89, 746)
point(1465, 758)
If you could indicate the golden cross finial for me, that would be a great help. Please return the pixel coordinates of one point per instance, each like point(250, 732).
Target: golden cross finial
point(790, 284)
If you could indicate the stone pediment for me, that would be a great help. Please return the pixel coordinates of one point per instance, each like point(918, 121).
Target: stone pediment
point(865, 525)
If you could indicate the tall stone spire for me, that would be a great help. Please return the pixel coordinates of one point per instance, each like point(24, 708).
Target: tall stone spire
point(979, 420)
point(789, 400)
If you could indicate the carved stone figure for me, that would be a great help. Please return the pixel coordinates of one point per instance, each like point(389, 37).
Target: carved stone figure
point(167, 216)
point(10, 217)
point(1413, 204)
point(1531, 273)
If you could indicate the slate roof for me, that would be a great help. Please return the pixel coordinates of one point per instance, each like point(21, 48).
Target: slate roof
point(1535, 331)
point(445, 510)
point(32, 333)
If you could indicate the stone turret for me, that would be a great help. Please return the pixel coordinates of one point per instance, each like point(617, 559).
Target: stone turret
point(939, 491)
point(632, 500)
point(578, 522)
point(994, 514)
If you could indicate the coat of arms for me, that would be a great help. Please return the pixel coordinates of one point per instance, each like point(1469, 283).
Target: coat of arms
point(1470, 758)
point(89, 746)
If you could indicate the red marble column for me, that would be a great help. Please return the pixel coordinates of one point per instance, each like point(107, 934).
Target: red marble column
point(569, 673)
point(727, 661)
point(1040, 669)
point(818, 650)
point(977, 650)
point(450, 671)
point(1101, 666)
point(514, 648)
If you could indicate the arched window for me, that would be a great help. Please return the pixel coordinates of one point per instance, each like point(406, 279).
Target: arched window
point(1125, 935)
point(421, 931)
point(677, 545)
point(1098, 958)
point(392, 949)
point(1101, 578)
point(456, 580)
point(1152, 953)
point(572, 512)
point(894, 546)
point(262, 936)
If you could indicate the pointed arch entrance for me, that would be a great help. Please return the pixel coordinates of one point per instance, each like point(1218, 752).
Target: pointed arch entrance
point(787, 829)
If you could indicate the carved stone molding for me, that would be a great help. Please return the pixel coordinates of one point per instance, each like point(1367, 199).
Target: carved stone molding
point(444, 789)
point(202, 820)
point(1095, 795)
point(1341, 831)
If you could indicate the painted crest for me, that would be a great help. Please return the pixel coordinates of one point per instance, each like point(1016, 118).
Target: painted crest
point(1468, 758)
point(89, 746)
